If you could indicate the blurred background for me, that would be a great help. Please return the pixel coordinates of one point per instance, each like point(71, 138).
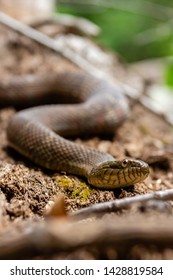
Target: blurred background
point(138, 30)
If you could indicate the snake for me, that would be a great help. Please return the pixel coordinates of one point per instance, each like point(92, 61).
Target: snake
point(55, 108)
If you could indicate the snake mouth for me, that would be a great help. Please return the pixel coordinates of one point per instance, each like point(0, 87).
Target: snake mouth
point(116, 174)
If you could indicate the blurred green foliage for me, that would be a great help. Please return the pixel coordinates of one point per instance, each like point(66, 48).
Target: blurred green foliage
point(138, 31)
point(169, 74)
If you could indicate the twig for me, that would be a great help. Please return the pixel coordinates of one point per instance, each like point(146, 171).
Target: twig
point(49, 42)
point(115, 205)
point(55, 237)
point(66, 53)
point(84, 25)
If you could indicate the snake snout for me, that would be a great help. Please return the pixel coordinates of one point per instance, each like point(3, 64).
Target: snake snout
point(118, 173)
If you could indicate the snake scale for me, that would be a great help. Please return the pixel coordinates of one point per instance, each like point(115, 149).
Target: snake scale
point(94, 106)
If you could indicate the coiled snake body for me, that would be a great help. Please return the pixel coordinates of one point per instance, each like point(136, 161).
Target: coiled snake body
point(38, 132)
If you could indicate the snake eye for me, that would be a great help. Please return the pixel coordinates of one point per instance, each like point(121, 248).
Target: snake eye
point(124, 163)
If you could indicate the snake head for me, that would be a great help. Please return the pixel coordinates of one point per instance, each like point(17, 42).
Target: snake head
point(118, 173)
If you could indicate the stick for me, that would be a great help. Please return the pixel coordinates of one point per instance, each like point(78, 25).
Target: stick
point(48, 42)
point(66, 53)
point(55, 237)
point(85, 26)
point(112, 206)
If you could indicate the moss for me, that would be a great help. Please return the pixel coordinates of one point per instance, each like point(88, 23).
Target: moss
point(166, 140)
point(65, 182)
point(74, 187)
point(85, 193)
point(82, 192)
point(144, 129)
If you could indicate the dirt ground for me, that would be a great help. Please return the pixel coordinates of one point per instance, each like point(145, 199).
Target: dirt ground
point(26, 190)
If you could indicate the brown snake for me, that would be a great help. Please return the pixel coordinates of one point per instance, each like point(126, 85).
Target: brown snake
point(38, 133)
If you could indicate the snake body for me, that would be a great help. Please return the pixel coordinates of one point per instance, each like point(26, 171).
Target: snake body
point(38, 132)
